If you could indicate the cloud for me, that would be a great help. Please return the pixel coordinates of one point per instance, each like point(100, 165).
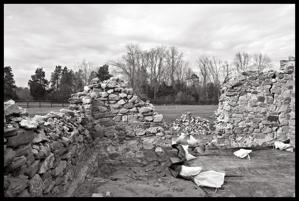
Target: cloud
point(47, 35)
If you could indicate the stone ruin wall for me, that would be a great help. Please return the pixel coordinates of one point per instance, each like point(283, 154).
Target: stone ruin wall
point(42, 155)
point(255, 109)
point(111, 104)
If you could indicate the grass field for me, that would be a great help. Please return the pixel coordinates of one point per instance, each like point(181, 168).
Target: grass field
point(170, 112)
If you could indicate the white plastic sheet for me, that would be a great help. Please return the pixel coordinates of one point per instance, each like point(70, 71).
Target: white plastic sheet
point(190, 171)
point(188, 156)
point(192, 141)
point(242, 153)
point(281, 146)
point(209, 178)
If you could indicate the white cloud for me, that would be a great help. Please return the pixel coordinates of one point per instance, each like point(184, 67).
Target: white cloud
point(48, 35)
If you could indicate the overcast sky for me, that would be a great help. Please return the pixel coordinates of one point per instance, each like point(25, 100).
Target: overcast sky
point(49, 35)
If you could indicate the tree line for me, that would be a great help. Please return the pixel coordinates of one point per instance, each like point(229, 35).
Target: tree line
point(62, 84)
point(160, 74)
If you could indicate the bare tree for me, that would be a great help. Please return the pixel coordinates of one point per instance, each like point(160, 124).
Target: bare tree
point(203, 64)
point(174, 61)
point(261, 61)
point(86, 69)
point(241, 61)
point(130, 63)
point(156, 67)
point(226, 71)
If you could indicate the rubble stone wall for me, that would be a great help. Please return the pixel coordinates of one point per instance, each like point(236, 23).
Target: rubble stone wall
point(41, 154)
point(117, 113)
point(257, 108)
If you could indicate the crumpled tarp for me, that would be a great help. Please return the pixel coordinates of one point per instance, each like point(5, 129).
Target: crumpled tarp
point(178, 168)
point(283, 146)
point(242, 153)
point(209, 178)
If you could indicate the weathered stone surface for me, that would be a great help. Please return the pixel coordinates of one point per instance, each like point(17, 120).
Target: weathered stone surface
point(32, 169)
point(29, 123)
point(16, 185)
point(11, 108)
point(149, 142)
point(11, 131)
point(122, 95)
point(25, 193)
point(9, 154)
point(104, 94)
point(113, 97)
point(158, 118)
point(47, 164)
point(123, 111)
point(23, 150)
point(148, 118)
point(40, 137)
point(36, 186)
point(265, 100)
point(121, 102)
point(23, 137)
point(60, 168)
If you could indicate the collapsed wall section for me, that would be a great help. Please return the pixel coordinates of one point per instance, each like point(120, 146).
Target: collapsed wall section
point(255, 109)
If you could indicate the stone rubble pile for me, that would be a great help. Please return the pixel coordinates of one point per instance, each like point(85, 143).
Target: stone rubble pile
point(199, 128)
point(255, 109)
point(40, 153)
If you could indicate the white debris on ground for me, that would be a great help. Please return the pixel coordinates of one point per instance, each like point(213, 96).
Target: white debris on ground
point(178, 168)
point(242, 153)
point(283, 146)
point(209, 178)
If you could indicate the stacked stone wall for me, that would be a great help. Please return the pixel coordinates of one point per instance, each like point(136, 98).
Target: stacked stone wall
point(41, 154)
point(255, 109)
point(117, 113)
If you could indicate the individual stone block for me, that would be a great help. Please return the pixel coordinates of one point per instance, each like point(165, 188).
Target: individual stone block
point(9, 154)
point(47, 164)
point(32, 169)
point(16, 185)
point(158, 118)
point(23, 137)
point(36, 186)
point(113, 97)
point(60, 168)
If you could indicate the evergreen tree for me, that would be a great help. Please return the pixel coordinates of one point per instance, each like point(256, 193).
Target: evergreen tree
point(55, 77)
point(78, 81)
point(38, 84)
point(92, 75)
point(103, 73)
point(9, 84)
point(67, 83)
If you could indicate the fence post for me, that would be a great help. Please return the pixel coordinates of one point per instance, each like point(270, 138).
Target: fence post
point(27, 104)
point(40, 104)
point(51, 103)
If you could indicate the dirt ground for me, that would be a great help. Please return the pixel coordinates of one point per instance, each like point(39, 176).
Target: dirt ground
point(268, 173)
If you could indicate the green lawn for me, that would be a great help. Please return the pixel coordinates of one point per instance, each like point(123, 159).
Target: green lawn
point(172, 112)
